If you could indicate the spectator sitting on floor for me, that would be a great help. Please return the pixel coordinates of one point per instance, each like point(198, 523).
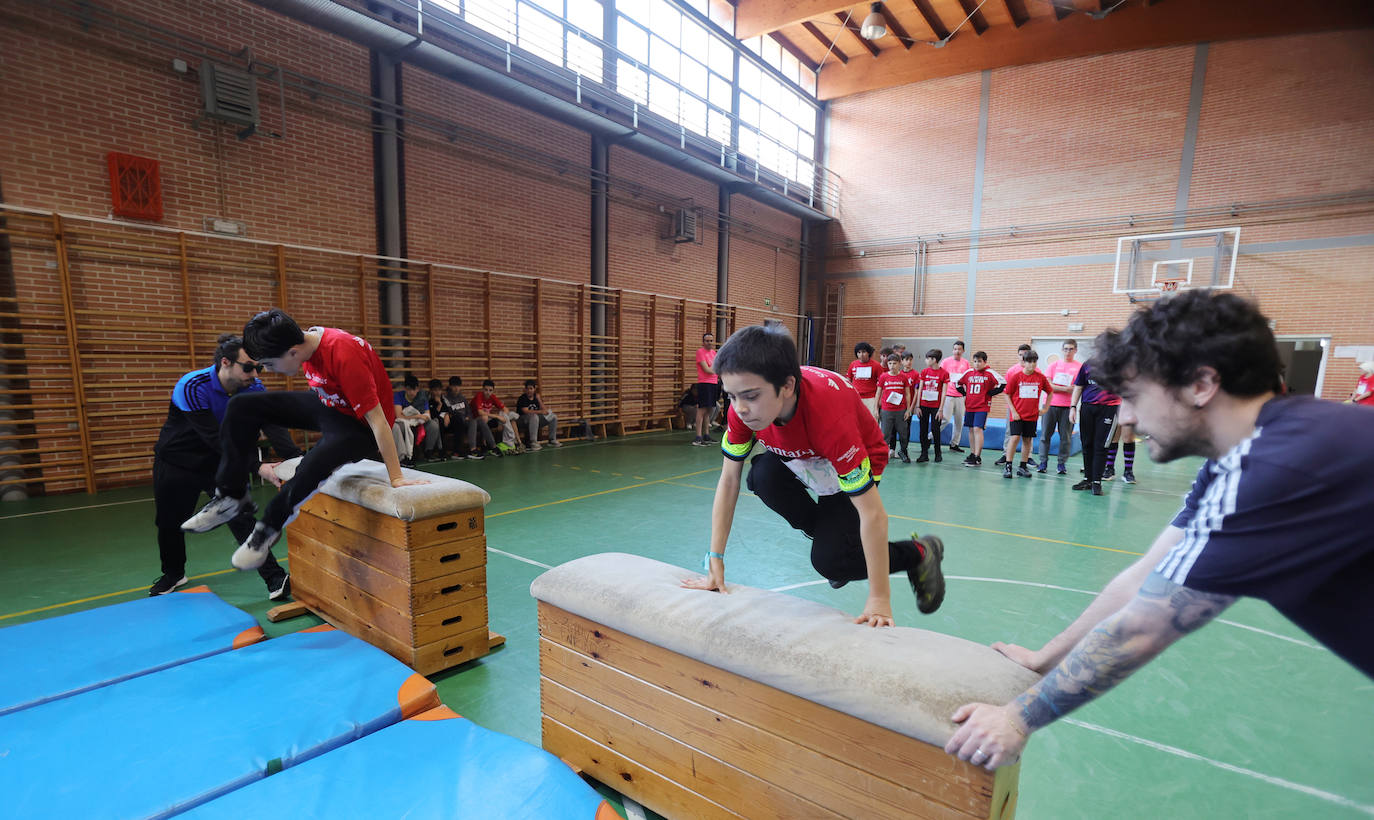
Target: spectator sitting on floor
point(454, 415)
point(534, 416)
point(412, 414)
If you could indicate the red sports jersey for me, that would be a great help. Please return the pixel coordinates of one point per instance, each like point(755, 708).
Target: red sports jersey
point(1024, 393)
point(1366, 383)
point(864, 377)
point(346, 373)
point(931, 390)
point(486, 404)
point(977, 384)
point(892, 392)
point(831, 443)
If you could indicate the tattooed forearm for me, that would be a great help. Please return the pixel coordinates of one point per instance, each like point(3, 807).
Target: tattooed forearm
point(1188, 608)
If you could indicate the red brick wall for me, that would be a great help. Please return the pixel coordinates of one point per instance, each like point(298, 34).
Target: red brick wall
point(1100, 138)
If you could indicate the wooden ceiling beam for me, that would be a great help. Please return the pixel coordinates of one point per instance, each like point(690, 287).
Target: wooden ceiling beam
point(1060, 10)
point(792, 48)
point(847, 22)
point(927, 12)
point(827, 42)
point(975, 17)
point(755, 17)
point(894, 28)
point(1131, 27)
point(1017, 10)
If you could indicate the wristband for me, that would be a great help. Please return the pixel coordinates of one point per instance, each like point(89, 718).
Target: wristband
point(706, 562)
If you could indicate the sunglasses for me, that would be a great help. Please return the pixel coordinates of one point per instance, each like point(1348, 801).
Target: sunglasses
point(249, 367)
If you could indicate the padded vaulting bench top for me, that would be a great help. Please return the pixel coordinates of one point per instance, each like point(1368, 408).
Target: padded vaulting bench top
point(907, 680)
point(366, 484)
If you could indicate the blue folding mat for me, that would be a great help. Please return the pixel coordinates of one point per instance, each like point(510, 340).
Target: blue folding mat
point(435, 765)
point(161, 743)
point(60, 657)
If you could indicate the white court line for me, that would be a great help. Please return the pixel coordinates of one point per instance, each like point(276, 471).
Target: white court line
point(633, 811)
point(519, 557)
point(1068, 589)
point(73, 509)
point(1270, 779)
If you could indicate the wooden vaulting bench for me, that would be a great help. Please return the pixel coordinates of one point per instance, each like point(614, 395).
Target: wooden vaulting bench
point(402, 568)
point(758, 704)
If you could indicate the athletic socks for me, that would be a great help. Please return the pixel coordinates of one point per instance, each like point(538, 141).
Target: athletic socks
point(1128, 454)
point(1111, 455)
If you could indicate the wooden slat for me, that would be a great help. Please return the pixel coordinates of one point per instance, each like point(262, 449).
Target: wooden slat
point(794, 772)
point(408, 565)
point(412, 599)
point(887, 754)
point(423, 533)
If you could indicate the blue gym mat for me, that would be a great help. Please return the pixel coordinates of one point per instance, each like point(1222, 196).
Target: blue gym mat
point(437, 766)
point(164, 742)
point(61, 657)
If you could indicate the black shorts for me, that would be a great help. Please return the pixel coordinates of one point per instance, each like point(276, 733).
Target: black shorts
point(708, 394)
point(1023, 427)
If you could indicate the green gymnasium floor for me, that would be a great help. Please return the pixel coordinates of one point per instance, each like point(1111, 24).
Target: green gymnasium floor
point(1247, 718)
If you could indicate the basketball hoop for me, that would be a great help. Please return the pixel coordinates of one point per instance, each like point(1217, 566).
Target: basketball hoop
point(1168, 285)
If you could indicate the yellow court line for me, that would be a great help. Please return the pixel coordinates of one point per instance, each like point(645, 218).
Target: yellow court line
point(951, 524)
point(107, 595)
point(58, 606)
point(667, 480)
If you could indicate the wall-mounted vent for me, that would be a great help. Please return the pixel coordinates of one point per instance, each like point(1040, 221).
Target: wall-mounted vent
point(135, 186)
point(230, 95)
point(684, 225)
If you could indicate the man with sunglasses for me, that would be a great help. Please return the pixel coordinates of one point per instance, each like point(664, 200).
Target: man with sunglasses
point(188, 451)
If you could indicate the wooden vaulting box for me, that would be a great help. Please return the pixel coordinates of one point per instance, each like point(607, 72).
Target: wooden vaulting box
point(402, 568)
point(757, 704)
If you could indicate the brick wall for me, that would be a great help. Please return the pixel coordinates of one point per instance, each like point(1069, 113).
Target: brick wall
point(1102, 138)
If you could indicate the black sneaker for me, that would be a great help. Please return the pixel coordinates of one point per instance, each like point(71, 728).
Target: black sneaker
point(1006, 471)
point(906, 459)
point(166, 584)
point(1108, 474)
point(697, 440)
point(1128, 476)
point(922, 459)
point(970, 461)
point(474, 456)
point(495, 453)
point(221, 509)
point(407, 462)
point(1022, 471)
point(1000, 461)
point(253, 551)
point(1062, 470)
point(836, 584)
point(938, 459)
point(279, 588)
point(1085, 484)
point(1043, 466)
point(954, 448)
point(978, 460)
point(1097, 488)
point(928, 582)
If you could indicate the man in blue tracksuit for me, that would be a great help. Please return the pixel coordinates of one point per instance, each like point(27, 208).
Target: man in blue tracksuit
point(188, 451)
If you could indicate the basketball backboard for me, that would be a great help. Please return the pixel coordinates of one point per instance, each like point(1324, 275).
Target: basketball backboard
point(1149, 265)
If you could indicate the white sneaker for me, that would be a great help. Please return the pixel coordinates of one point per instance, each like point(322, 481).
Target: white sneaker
point(536, 446)
point(555, 444)
point(221, 509)
point(253, 552)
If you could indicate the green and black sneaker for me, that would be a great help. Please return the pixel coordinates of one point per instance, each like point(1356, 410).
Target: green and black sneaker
point(927, 581)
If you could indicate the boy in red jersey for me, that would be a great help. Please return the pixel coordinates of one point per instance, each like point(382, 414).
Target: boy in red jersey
point(817, 437)
point(1025, 388)
point(930, 397)
point(977, 385)
point(863, 374)
point(349, 402)
point(1007, 455)
point(894, 396)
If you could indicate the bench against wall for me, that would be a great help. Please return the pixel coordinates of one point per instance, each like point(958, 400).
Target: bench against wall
point(758, 704)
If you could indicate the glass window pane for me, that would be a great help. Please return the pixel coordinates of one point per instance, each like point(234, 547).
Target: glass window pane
point(663, 58)
point(665, 21)
point(632, 40)
point(693, 76)
point(555, 6)
point(723, 14)
point(720, 92)
point(718, 127)
point(721, 58)
point(663, 98)
point(586, 15)
point(585, 57)
point(748, 142)
point(790, 66)
point(749, 77)
point(808, 81)
point(632, 82)
point(495, 16)
point(748, 110)
point(694, 114)
point(754, 44)
point(771, 51)
point(694, 39)
point(637, 10)
point(806, 145)
point(540, 34)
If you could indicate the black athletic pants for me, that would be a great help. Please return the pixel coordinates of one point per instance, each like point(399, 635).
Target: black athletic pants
point(928, 427)
point(1095, 422)
point(175, 492)
point(831, 521)
point(344, 441)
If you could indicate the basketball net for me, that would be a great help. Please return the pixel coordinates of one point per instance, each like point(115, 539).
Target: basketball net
point(1169, 285)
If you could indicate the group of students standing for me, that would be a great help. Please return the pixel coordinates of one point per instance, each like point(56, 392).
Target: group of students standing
point(959, 390)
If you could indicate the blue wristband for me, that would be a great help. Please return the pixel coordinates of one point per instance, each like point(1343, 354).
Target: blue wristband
point(706, 562)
